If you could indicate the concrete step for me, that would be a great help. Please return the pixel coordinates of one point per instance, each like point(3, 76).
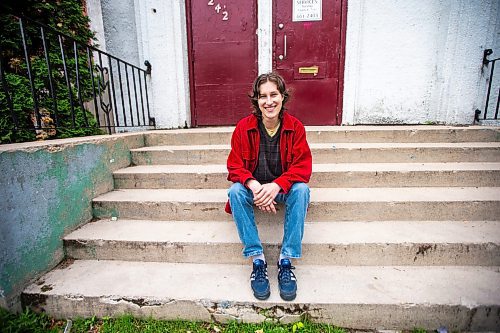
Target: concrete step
point(349, 204)
point(379, 243)
point(364, 297)
point(324, 175)
point(325, 134)
point(333, 153)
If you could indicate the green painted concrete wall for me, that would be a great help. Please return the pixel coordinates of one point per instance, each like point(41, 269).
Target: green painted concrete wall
point(46, 190)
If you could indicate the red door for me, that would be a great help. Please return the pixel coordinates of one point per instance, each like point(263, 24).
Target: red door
point(223, 59)
point(309, 54)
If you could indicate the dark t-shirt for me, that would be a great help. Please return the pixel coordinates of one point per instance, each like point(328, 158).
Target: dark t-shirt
point(269, 165)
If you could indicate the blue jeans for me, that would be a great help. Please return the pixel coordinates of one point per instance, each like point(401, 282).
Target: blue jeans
point(296, 202)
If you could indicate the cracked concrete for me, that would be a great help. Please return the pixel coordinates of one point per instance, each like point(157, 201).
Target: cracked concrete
point(228, 311)
point(333, 243)
point(345, 296)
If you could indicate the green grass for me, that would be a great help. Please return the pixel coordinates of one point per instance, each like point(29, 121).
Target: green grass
point(25, 322)
point(31, 322)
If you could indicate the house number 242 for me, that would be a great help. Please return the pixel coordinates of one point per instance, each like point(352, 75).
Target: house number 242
point(220, 9)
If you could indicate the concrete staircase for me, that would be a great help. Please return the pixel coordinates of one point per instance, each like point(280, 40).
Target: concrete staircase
point(403, 231)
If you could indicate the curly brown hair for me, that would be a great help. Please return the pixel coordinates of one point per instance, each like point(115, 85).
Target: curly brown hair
point(260, 80)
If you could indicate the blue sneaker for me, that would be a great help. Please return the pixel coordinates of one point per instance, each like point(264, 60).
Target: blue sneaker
point(286, 280)
point(259, 280)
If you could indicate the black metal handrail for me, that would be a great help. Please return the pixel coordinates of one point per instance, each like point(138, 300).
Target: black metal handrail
point(102, 90)
point(492, 115)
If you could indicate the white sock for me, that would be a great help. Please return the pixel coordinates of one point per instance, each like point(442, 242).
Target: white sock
point(259, 256)
point(284, 257)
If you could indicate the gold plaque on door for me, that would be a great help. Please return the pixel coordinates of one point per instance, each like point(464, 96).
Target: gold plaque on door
point(309, 70)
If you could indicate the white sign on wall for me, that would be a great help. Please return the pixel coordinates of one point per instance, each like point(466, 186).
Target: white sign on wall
point(306, 10)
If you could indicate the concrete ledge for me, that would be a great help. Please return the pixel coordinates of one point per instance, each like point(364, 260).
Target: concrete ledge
point(60, 144)
point(46, 190)
point(341, 204)
point(382, 243)
point(324, 175)
point(334, 153)
point(392, 297)
point(338, 134)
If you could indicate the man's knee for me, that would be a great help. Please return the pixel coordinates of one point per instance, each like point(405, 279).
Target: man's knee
point(236, 190)
point(300, 189)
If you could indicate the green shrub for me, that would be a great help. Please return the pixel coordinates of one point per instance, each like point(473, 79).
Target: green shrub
point(65, 16)
point(25, 322)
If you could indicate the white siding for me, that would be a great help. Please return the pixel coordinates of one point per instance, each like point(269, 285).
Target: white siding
point(164, 43)
point(416, 61)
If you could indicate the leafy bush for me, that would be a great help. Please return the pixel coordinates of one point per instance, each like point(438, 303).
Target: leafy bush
point(25, 322)
point(66, 109)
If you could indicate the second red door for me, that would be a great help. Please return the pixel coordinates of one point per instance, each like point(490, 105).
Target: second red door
point(308, 53)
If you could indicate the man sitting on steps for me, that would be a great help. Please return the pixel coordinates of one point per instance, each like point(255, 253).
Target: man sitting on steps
point(270, 162)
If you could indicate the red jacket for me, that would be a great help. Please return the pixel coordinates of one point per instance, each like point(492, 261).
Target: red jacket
point(296, 159)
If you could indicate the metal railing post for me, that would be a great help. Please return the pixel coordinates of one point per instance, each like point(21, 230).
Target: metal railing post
point(486, 62)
